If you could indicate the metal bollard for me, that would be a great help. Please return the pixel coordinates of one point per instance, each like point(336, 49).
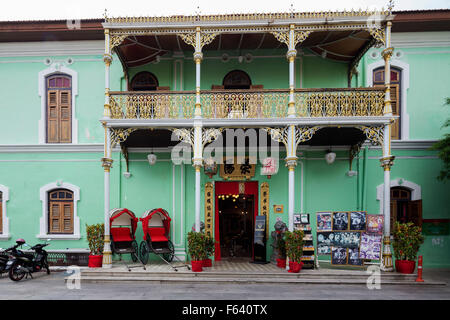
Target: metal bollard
point(419, 270)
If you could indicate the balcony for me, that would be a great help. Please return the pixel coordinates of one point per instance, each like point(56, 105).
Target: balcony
point(248, 104)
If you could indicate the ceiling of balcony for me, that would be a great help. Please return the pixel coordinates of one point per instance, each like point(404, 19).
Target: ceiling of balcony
point(341, 46)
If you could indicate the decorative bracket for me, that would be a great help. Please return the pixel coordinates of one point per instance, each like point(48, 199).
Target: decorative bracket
point(283, 36)
point(302, 134)
point(187, 135)
point(119, 135)
point(210, 134)
point(354, 152)
point(191, 38)
point(375, 134)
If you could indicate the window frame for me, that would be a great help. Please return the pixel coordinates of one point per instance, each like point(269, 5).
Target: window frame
point(59, 202)
point(4, 235)
point(59, 91)
point(43, 223)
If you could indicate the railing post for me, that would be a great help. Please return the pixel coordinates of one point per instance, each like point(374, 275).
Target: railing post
point(291, 54)
point(198, 57)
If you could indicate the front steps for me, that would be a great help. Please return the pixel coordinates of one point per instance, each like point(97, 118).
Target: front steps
point(269, 274)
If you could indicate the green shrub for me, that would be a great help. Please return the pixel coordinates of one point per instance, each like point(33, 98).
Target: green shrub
point(294, 245)
point(407, 241)
point(95, 236)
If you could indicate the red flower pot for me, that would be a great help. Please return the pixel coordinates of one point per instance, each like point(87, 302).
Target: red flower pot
point(405, 266)
point(281, 263)
point(207, 263)
point(197, 266)
point(295, 267)
point(95, 261)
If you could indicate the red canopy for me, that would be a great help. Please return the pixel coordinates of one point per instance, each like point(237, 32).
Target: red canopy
point(164, 217)
point(133, 219)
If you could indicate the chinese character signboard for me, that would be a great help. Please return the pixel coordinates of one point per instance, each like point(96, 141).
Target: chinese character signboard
point(237, 171)
point(209, 207)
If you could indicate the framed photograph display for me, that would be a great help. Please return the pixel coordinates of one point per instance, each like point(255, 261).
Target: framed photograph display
point(346, 239)
point(340, 221)
point(357, 220)
point(324, 221)
point(353, 257)
point(324, 242)
point(297, 219)
point(339, 255)
point(304, 218)
point(375, 223)
point(370, 247)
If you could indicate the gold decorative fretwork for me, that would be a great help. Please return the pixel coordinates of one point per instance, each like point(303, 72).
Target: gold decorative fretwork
point(119, 135)
point(209, 208)
point(264, 208)
point(246, 17)
point(184, 135)
point(116, 39)
point(210, 134)
point(378, 33)
point(283, 36)
point(375, 134)
point(345, 103)
point(191, 39)
point(302, 134)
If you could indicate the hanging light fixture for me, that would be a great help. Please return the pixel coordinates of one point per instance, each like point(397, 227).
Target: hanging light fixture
point(152, 158)
point(330, 156)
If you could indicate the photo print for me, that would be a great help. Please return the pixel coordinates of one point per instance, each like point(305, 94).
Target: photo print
point(324, 242)
point(340, 221)
point(370, 247)
point(375, 223)
point(338, 255)
point(346, 239)
point(297, 219)
point(358, 221)
point(304, 218)
point(324, 221)
point(353, 257)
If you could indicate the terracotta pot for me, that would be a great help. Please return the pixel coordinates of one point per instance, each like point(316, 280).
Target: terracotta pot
point(207, 263)
point(281, 263)
point(295, 267)
point(95, 261)
point(197, 266)
point(405, 266)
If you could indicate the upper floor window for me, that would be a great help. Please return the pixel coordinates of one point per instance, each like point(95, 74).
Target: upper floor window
point(60, 208)
point(144, 81)
point(59, 109)
point(378, 80)
point(237, 79)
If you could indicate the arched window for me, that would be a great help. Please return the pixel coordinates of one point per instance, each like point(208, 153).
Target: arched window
point(237, 79)
point(144, 81)
point(60, 208)
point(403, 209)
point(59, 109)
point(378, 80)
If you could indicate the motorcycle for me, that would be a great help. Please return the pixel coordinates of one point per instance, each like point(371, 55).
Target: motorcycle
point(22, 264)
point(5, 255)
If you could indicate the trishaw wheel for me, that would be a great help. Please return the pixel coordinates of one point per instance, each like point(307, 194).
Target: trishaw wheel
point(144, 251)
point(135, 254)
point(169, 256)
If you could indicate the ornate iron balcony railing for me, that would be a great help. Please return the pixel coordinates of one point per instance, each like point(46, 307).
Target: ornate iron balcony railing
point(248, 104)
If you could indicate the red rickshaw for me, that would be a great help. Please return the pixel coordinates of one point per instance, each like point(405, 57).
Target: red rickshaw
point(123, 224)
point(156, 227)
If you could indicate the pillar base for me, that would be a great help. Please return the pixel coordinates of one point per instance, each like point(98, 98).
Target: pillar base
point(386, 264)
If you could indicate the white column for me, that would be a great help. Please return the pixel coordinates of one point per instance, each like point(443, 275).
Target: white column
point(198, 161)
point(387, 159)
point(198, 56)
point(291, 54)
point(107, 160)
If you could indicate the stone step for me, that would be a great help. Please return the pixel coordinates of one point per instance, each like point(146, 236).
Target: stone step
point(266, 275)
point(248, 280)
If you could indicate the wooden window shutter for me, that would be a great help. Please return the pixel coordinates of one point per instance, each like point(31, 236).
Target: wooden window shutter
point(52, 116)
point(415, 212)
point(60, 212)
point(65, 117)
point(395, 132)
point(393, 214)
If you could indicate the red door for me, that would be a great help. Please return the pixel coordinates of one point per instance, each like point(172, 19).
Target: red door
point(224, 188)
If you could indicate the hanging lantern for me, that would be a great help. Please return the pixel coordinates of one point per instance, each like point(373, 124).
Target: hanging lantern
point(330, 157)
point(210, 167)
point(269, 167)
point(151, 158)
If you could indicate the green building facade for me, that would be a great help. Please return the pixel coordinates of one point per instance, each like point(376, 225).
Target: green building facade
point(243, 65)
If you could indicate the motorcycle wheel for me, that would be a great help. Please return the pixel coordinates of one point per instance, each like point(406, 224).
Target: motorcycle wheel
point(13, 273)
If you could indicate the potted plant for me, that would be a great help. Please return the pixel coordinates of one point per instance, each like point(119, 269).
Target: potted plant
point(294, 249)
point(406, 244)
point(95, 234)
point(196, 249)
point(209, 248)
point(281, 247)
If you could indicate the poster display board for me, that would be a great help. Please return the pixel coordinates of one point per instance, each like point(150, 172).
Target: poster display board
point(349, 237)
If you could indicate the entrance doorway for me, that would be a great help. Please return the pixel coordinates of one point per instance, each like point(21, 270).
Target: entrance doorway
point(236, 208)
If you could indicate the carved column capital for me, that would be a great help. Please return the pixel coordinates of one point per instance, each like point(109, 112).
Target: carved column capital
point(107, 164)
point(387, 162)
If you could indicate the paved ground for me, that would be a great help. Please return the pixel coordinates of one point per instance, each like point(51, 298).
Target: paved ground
point(53, 287)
